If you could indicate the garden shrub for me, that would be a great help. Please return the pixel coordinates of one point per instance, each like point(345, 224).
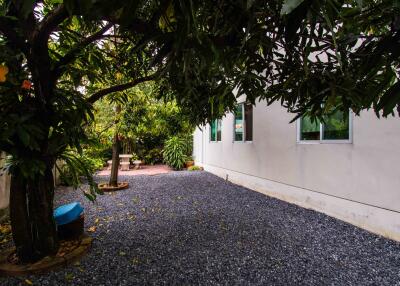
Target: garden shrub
point(188, 138)
point(175, 152)
point(154, 156)
point(69, 177)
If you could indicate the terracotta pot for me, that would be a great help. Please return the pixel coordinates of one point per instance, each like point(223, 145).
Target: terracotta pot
point(189, 164)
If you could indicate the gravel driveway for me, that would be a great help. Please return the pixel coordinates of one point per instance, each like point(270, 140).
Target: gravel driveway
point(193, 228)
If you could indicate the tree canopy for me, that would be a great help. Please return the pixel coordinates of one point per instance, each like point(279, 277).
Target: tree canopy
point(143, 124)
point(309, 55)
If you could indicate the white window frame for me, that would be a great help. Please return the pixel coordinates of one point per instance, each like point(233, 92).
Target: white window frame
point(244, 126)
point(216, 134)
point(321, 132)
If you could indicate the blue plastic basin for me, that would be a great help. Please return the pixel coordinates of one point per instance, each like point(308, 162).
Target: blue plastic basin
point(67, 213)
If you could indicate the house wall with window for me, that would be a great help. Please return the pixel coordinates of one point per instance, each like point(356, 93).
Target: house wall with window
point(353, 177)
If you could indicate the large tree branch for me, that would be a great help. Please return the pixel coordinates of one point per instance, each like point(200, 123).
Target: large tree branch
point(50, 22)
point(119, 87)
point(73, 53)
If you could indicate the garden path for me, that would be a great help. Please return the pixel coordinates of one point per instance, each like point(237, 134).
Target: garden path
point(144, 170)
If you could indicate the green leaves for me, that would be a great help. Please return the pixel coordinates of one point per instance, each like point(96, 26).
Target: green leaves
point(72, 167)
point(289, 5)
point(389, 100)
point(27, 7)
point(75, 7)
point(24, 136)
point(175, 152)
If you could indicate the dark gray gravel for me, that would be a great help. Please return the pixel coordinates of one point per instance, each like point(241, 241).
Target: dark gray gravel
point(193, 228)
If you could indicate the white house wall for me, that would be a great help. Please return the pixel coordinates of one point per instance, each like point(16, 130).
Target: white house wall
point(5, 180)
point(4, 189)
point(357, 182)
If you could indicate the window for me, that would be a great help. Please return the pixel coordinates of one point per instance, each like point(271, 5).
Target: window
point(335, 128)
point(215, 130)
point(243, 122)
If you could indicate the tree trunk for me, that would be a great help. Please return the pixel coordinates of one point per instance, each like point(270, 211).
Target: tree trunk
point(115, 152)
point(20, 224)
point(31, 212)
point(115, 162)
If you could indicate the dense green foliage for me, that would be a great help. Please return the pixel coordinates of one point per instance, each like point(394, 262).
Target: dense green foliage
point(338, 55)
point(72, 166)
point(176, 152)
point(144, 123)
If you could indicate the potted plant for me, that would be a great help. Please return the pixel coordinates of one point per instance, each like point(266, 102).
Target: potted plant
point(189, 161)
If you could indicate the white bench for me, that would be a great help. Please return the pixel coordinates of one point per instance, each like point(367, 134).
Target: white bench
point(109, 164)
point(125, 166)
point(137, 164)
point(124, 161)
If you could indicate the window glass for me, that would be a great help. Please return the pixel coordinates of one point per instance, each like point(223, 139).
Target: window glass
point(309, 130)
point(336, 126)
point(248, 119)
point(219, 129)
point(239, 123)
point(213, 131)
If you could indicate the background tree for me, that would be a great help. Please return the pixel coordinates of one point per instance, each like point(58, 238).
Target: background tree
point(311, 56)
point(147, 122)
point(140, 127)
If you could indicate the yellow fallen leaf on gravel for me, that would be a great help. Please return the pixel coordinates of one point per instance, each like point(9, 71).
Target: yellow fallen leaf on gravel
point(4, 240)
point(5, 228)
point(92, 229)
point(96, 221)
point(69, 276)
point(29, 282)
point(135, 261)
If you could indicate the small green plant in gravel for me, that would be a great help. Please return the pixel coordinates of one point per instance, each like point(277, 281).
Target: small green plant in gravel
point(195, 168)
point(174, 152)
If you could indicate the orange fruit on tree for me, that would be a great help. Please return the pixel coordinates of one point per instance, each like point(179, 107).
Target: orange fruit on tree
point(3, 73)
point(26, 84)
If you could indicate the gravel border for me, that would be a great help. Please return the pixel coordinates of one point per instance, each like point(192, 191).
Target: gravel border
point(193, 228)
